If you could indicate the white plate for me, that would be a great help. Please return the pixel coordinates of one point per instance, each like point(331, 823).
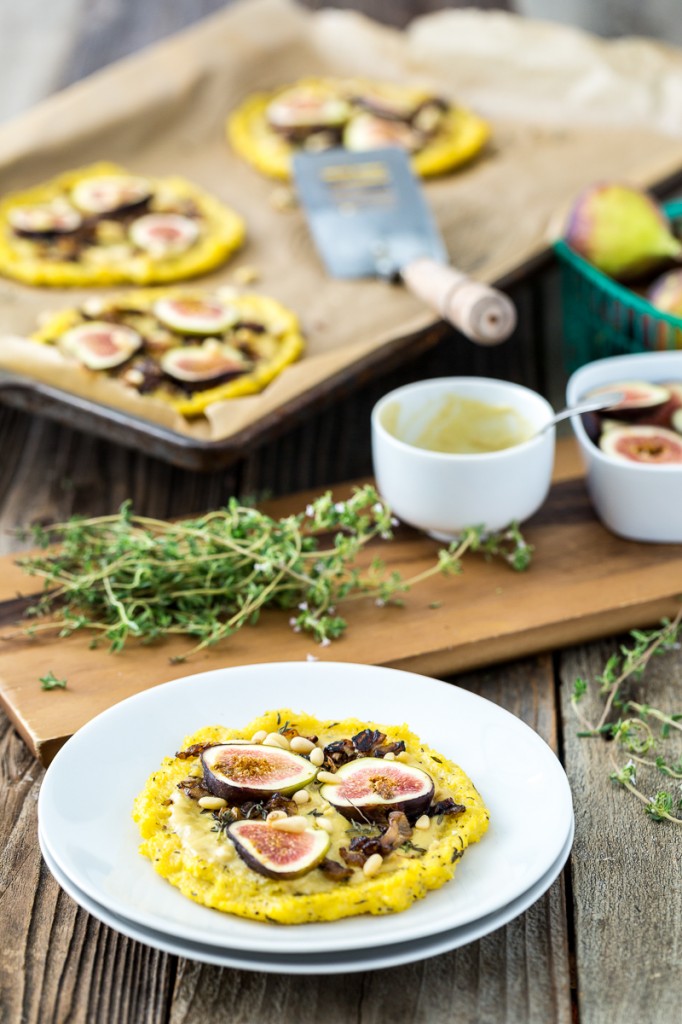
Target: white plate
point(316, 963)
point(87, 795)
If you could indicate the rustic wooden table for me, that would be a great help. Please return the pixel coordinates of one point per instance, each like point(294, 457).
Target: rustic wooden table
point(602, 946)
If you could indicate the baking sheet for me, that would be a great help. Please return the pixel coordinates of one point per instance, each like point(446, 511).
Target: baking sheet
point(164, 110)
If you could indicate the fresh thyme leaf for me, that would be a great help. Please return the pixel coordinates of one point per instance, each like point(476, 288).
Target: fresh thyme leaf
point(50, 682)
point(630, 725)
point(125, 576)
point(409, 847)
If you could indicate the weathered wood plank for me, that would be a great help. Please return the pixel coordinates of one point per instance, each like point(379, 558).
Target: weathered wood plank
point(517, 974)
point(57, 962)
point(626, 868)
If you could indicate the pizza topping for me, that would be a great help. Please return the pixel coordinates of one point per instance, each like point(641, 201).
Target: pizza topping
point(110, 193)
point(190, 315)
point(56, 218)
point(367, 789)
point(164, 234)
point(365, 131)
point(240, 772)
point(305, 109)
point(198, 364)
point(276, 853)
point(100, 345)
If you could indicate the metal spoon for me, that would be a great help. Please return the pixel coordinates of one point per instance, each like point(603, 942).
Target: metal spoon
point(605, 400)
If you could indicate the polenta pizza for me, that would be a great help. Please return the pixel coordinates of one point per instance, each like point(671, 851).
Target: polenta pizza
point(186, 348)
point(315, 114)
point(292, 819)
point(101, 225)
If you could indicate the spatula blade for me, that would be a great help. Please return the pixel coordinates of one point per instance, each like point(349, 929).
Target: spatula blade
point(366, 211)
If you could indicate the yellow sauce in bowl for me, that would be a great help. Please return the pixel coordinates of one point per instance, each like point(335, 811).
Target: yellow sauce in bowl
point(459, 426)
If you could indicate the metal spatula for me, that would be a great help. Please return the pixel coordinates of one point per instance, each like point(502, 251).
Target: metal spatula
point(368, 217)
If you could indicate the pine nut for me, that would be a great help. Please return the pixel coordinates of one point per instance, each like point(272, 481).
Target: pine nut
point(296, 823)
point(372, 865)
point(325, 823)
point(328, 777)
point(275, 739)
point(276, 816)
point(259, 736)
point(402, 756)
point(301, 796)
point(211, 803)
point(317, 756)
point(301, 745)
point(423, 822)
point(390, 756)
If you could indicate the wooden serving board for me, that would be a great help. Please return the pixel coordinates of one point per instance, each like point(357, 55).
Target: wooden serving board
point(583, 583)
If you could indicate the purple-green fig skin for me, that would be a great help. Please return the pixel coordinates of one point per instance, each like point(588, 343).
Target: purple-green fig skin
point(412, 806)
point(602, 237)
point(666, 293)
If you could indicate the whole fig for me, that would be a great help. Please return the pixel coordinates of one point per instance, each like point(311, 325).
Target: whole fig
point(666, 293)
point(621, 231)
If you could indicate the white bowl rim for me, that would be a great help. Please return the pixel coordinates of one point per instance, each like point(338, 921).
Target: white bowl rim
point(574, 394)
point(464, 457)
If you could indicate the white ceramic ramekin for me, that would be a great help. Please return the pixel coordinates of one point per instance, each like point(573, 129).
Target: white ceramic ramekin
point(637, 501)
point(443, 493)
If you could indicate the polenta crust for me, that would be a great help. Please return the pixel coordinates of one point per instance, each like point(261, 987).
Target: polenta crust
point(462, 135)
point(222, 232)
point(235, 889)
point(251, 307)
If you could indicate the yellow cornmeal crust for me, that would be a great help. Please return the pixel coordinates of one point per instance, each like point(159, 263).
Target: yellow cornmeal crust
point(261, 898)
point(462, 135)
point(251, 306)
point(223, 231)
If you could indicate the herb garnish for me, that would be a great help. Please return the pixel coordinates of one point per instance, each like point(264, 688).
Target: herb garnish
point(50, 682)
point(632, 731)
point(128, 576)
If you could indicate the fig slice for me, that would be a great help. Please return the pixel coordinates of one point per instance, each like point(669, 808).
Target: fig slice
point(278, 854)
point(365, 131)
point(249, 771)
point(652, 446)
point(202, 364)
point(371, 786)
point(56, 218)
point(164, 234)
point(308, 108)
point(676, 421)
point(195, 316)
point(110, 193)
point(100, 345)
point(638, 395)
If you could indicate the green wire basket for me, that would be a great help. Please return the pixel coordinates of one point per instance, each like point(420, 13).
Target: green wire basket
point(601, 317)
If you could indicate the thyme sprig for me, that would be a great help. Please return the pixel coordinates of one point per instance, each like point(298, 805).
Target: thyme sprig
point(631, 730)
point(127, 576)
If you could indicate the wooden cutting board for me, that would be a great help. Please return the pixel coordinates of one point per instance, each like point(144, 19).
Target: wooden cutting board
point(583, 583)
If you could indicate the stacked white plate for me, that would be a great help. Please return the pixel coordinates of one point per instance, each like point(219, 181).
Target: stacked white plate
point(90, 842)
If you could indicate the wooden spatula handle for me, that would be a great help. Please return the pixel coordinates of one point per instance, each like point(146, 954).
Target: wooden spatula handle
point(480, 312)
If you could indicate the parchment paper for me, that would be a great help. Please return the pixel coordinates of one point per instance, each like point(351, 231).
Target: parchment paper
point(563, 116)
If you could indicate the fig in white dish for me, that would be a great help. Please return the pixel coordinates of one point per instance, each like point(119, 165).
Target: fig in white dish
point(643, 444)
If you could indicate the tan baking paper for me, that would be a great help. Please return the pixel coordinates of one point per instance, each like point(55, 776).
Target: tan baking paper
point(163, 111)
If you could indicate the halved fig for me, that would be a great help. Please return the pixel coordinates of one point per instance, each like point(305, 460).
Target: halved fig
point(110, 193)
point(196, 316)
point(371, 787)
point(56, 218)
point(653, 446)
point(205, 363)
point(164, 234)
point(638, 395)
point(100, 345)
point(249, 771)
point(304, 107)
point(365, 131)
point(278, 854)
